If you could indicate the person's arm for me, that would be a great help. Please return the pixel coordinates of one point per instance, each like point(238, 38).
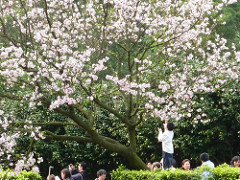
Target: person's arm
point(160, 135)
point(165, 124)
point(71, 168)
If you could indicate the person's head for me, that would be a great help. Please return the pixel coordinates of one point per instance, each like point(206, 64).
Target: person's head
point(235, 161)
point(174, 163)
point(65, 173)
point(82, 166)
point(72, 169)
point(204, 157)
point(170, 126)
point(51, 177)
point(186, 164)
point(102, 174)
point(155, 166)
point(149, 164)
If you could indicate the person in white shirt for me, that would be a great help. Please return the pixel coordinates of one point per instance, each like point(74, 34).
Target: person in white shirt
point(166, 138)
point(204, 157)
point(206, 163)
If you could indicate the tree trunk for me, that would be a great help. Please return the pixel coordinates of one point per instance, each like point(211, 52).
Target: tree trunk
point(128, 153)
point(134, 162)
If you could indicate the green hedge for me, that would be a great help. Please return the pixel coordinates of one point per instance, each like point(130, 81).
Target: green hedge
point(24, 175)
point(223, 172)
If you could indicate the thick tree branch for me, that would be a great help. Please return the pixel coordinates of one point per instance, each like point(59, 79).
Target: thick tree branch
point(55, 124)
point(53, 136)
point(12, 97)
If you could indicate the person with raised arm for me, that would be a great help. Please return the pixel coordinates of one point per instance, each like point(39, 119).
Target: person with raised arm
point(166, 138)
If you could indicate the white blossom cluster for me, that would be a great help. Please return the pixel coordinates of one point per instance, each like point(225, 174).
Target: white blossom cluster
point(8, 145)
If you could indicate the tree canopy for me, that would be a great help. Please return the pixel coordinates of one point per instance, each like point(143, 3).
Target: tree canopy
point(128, 59)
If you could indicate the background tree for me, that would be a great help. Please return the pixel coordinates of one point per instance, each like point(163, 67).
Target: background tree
point(128, 59)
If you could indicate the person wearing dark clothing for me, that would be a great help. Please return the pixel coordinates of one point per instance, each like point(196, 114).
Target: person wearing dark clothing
point(82, 169)
point(75, 173)
point(72, 170)
point(84, 174)
point(80, 173)
point(77, 176)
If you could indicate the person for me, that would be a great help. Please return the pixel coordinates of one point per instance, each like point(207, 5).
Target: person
point(74, 173)
point(235, 162)
point(82, 168)
point(149, 164)
point(167, 145)
point(72, 169)
point(65, 174)
point(81, 173)
point(204, 157)
point(186, 165)
point(156, 166)
point(174, 165)
point(51, 177)
point(207, 165)
point(101, 174)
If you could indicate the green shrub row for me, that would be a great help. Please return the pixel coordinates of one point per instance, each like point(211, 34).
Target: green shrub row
point(223, 172)
point(24, 175)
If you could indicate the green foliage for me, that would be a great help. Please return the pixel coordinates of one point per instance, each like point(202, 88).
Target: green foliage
point(154, 175)
point(219, 173)
point(217, 132)
point(225, 172)
point(24, 175)
point(230, 29)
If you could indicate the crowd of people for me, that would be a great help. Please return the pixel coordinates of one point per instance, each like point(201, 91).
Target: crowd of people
point(167, 162)
point(81, 173)
point(166, 137)
point(186, 164)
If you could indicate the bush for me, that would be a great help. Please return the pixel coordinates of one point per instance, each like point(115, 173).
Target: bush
point(24, 175)
point(222, 172)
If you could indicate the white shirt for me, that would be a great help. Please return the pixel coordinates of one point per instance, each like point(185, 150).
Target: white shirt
point(208, 163)
point(207, 174)
point(166, 139)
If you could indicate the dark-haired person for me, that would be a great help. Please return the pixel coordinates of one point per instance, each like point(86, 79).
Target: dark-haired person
point(204, 157)
point(65, 174)
point(72, 169)
point(174, 164)
point(82, 168)
point(206, 165)
point(166, 138)
point(235, 162)
point(76, 175)
point(156, 166)
point(149, 164)
point(101, 174)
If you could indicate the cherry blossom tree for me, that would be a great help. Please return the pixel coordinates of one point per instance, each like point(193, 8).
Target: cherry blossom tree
point(9, 135)
point(131, 58)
